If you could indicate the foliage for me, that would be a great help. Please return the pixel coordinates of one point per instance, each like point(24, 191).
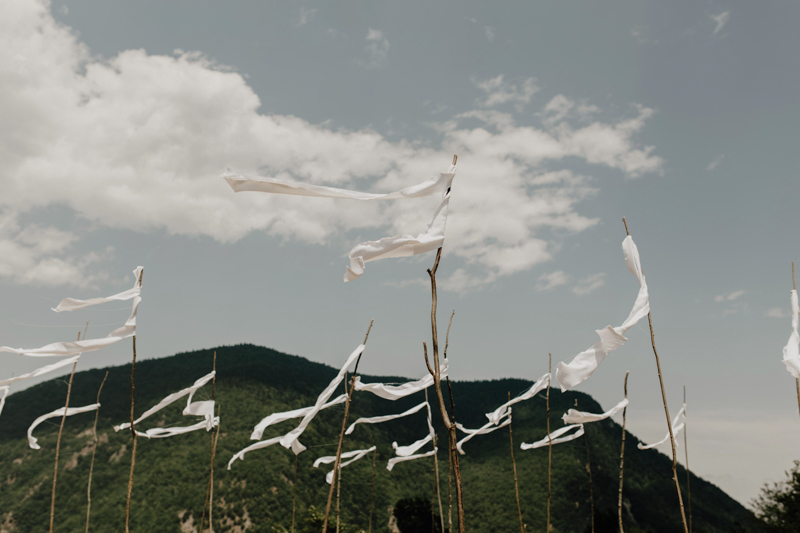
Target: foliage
point(778, 505)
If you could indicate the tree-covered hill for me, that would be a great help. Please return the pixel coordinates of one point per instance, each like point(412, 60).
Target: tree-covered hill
point(256, 494)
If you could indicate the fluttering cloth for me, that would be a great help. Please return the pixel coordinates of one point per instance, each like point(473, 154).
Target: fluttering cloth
point(3, 394)
point(581, 367)
point(72, 304)
point(66, 349)
point(487, 428)
point(385, 418)
point(401, 245)
point(394, 460)
point(676, 428)
point(580, 417)
point(275, 418)
point(296, 448)
point(202, 408)
point(41, 371)
point(395, 392)
point(406, 453)
point(288, 440)
point(58, 412)
point(556, 437)
point(791, 352)
point(354, 456)
point(541, 384)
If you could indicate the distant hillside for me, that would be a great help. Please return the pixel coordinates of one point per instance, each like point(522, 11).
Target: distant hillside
point(256, 495)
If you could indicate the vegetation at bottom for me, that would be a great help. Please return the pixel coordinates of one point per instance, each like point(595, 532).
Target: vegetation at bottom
point(256, 494)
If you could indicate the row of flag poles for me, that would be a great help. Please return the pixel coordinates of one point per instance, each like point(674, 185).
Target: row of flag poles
point(568, 373)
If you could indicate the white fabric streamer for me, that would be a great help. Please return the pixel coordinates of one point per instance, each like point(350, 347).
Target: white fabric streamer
point(160, 433)
point(42, 370)
point(58, 412)
point(791, 352)
point(405, 451)
point(275, 418)
point(296, 448)
point(394, 460)
point(541, 384)
point(240, 183)
point(386, 418)
point(355, 454)
point(401, 245)
point(581, 367)
point(292, 436)
point(191, 407)
point(556, 437)
point(4, 392)
point(676, 428)
point(580, 417)
point(487, 428)
point(395, 392)
point(66, 349)
point(71, 304)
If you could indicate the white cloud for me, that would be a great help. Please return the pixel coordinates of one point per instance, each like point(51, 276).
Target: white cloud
point(560, 108)
point(720, 20)
point(729, 297)
point(715, 163)
point(306, 15)
point(498, 91)
point(490, 33)
point(550, 281)
point(138, 142)
point(377, 49)
point(589, 284)
point(776, 312)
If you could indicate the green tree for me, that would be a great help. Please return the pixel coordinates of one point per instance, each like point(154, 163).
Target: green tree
point(778, 506)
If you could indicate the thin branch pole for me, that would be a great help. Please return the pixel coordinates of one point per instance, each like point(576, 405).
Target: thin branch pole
point(588, 469)
point(58, 445)
point(372, 493)
point(666, 412)
point(514, 465)
point(338, 492)
point(211, 451)
point(686, 452)
point(453, 420)
point(341, 434)
point(211, 493)
point(797, 380)
point(133, 431)
point(549, 442)
point(433, 494)
point(94, 449)
point(294, 492)
point(436, 473)
point(622, 454)
point(450, 490)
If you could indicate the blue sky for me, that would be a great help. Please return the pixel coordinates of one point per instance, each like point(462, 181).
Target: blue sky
point(566, 117)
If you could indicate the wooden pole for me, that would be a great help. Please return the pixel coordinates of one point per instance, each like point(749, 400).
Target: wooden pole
point(622, 454)
point(58, 445)
point(211, 493)
point(514, 465)
point(549, 441)
point(372, 492)
point(452, 419)
point(338, 492)
point(94, 449)
point(666, 412)
point(436, 473)
point(206, 501)
point(341, 434)
point(588, 469)
point(686, 452)
point(133, 431)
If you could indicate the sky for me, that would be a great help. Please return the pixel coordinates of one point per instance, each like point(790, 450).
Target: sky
point(120, 117)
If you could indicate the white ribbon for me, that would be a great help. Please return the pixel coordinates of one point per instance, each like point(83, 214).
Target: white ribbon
point(676, 428)
point(386, 418)
point(296, 448)
point(581, 367)
point(791, 352)
point(205, 408)
point(405, 451)
point(542, 383)
point(241, 183)
point(288, 439)
point(395, 392)
point(275, 418)
point(394, 460)
point(58, 412)
point(355, 454)
point(487, 428)
point(71, 304)
point(4, 391)
point(580, 417)
point(160, 433)
point(401, 245)
point(554, 437)
point(42, 370)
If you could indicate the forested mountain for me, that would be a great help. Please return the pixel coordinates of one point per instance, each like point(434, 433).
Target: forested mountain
point(256, 494)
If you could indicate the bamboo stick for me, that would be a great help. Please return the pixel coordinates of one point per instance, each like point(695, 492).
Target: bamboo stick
point(338, 491)
point(341, 434)
point(211, 451)
point(211, 493)
point(622, 454)
point(436, 473)
point(294, 493)
point(372, 492)
point(133, 431)
point(686, 452)
point(94, 449)
point(514, 465)
point(549, 441)
point(666, 412)
point(58, 444)
point(452, 419)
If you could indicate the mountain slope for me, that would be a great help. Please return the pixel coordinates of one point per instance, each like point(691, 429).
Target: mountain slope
point(256, 494)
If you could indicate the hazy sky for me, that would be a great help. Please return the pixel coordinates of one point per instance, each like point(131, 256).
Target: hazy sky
point(119, 117)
